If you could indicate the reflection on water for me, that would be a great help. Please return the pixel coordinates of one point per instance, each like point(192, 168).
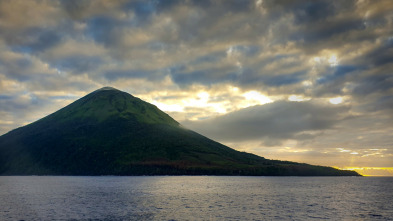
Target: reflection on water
point(195, 198)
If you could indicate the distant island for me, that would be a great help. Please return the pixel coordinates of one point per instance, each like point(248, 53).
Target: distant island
point(110, 132)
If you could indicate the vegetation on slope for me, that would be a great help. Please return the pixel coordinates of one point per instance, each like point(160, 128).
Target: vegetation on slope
point(110, 132)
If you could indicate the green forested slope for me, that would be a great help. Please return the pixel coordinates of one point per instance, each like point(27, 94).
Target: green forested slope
point(110, 132)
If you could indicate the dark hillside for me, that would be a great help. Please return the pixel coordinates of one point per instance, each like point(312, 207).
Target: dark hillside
point(110, 132)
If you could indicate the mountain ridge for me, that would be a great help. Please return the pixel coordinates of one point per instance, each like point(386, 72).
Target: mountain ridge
point(110, 132)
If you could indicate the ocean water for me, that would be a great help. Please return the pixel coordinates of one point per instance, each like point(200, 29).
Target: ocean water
point(195, 198)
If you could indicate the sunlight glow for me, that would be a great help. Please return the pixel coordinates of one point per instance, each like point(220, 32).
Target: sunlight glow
point(6, 122)
point(169, 107)
point(307, 83)
point(371, 171)
point(203, 101)
point(294, 97)
point(204, 96)
point(256, 96)
point(342, 150)
point(235, 89)
point(326, 57)
point(317, 59)
point(333, 61)
point(336, 100)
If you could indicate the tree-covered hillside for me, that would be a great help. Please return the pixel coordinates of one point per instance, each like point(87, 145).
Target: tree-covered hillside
point(110, 132)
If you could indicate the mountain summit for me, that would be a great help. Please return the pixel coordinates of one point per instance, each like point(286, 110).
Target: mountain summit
point(110, 132)
point(110, 103)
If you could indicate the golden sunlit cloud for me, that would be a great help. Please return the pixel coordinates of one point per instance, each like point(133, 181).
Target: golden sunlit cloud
point(336, 100)
point(257, 98)
point(298, 98)
point(326, 57)
point(169, 107)
point(307, 83)
point(333, 61)
point(342, 150)
point(6, 122)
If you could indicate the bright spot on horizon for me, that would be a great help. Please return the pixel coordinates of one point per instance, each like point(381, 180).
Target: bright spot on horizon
point(370, 171)
point(256, 96)
point(336, 100)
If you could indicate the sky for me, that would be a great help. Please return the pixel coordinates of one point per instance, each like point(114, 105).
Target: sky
point(305, 81)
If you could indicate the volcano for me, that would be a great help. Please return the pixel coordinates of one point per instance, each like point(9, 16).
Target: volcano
point(110, 132)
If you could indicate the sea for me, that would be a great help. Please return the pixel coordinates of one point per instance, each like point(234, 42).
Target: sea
point(195, 198)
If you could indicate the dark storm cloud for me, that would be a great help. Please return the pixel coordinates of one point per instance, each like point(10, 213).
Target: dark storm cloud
point(114, 75)
point(384, 103)
point(236, 73)
point(307, 11)
point(311, 34)
point(16, 68)
point(312, 11)
point(20, 102)
point(233, 5)
point(312, 17)
point(199, 22)
point(275, 121)
point(338, 73)
point(213, 57)
point(80, 10)
point(282, 80)
point(205, 77)
point(142, 9)
point(315, 20)
point(248, 28)
point(77, 64)
point(317, 25)
point(381, 55)
point(75, 8)
point(167, 5)
point(106, 30)
point(381, 83)
point(61, 83)
point(249, 76)
point(34, 40)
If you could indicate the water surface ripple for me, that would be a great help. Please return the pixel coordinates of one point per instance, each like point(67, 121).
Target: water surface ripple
point(195, 198)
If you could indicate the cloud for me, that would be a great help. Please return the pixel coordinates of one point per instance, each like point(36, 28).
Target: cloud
point(201, 57)
point(382, 54)
point(79, 10)
point(274, 122)
point(19, 14)
point(35, 40)
point(113, 75)
point(374, 84)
